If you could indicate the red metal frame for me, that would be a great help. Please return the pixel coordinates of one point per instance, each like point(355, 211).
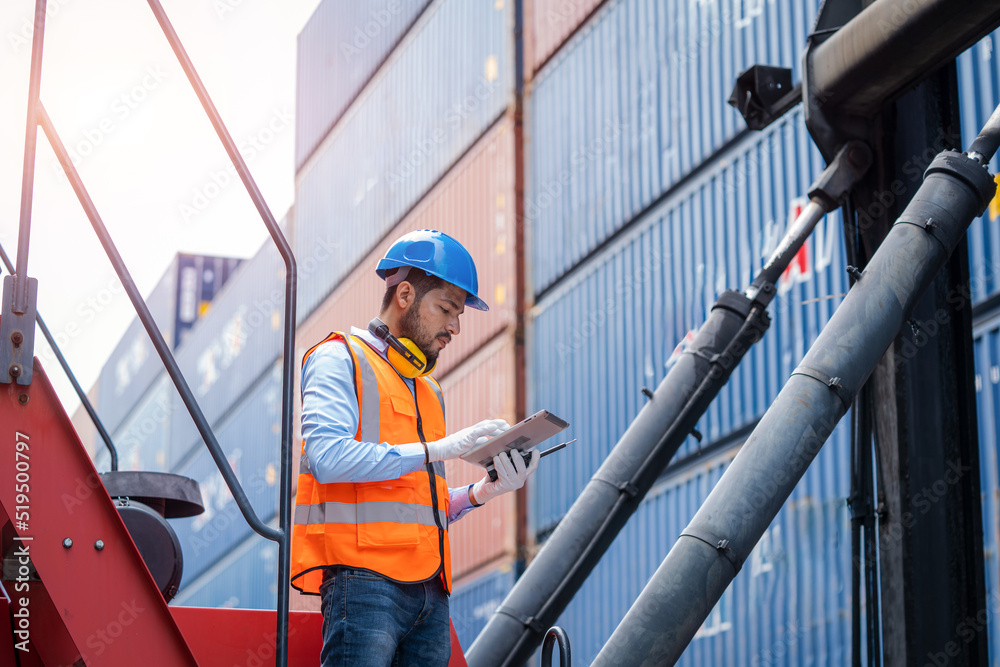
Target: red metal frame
point(247, 636)
point(98, 604)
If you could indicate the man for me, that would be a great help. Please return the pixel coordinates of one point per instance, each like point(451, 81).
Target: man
point(370, 531)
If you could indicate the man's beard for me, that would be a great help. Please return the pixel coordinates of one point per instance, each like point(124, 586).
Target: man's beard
point(411, 327)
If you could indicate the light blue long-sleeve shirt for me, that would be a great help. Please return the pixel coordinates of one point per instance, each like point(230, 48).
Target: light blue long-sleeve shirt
point(330, 417)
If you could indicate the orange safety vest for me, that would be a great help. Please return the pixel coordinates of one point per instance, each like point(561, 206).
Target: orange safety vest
point(397, 528)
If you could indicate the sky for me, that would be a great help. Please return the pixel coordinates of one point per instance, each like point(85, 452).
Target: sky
point(144, 148)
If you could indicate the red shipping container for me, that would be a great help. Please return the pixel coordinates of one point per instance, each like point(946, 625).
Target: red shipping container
point(474, 203)
point(481, 388)
point(548, 24)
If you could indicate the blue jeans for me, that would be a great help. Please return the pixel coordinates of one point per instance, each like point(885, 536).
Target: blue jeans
point(369, 620)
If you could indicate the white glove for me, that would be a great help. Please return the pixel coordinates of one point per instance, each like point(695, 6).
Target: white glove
point(512, 471)
point(454, 445)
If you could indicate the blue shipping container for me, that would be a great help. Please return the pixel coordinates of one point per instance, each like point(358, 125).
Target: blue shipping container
point(134, 363)
point(232, 346)
point(339, 50)
point(178, 300)
point(199, 279)
point(610, 327)
point(979, 95)
point(143, 441)
point(632, 104)
point(246, 580)
point(987, 353)
point(473, 602)
point(445, 84)
point(789, 605)
point(250, 438)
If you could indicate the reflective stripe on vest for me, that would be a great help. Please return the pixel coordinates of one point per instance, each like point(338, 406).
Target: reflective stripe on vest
point(369, 402)
point(368, 513)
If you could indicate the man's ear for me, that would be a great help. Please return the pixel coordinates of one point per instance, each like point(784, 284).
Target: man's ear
point(405, 295)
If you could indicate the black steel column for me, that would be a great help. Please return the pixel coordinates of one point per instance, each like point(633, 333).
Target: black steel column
point(930, 529)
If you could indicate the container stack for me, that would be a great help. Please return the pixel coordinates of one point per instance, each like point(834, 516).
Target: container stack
point(132, 399)
point(979, 94)
point(646, 197)
point(614, 193)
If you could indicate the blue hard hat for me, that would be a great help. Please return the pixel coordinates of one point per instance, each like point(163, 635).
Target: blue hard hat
point(436, 254)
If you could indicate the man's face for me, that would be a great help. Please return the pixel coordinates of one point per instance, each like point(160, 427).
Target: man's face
point(433, 320)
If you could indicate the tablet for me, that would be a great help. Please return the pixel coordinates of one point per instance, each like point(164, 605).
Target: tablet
point(521, 436)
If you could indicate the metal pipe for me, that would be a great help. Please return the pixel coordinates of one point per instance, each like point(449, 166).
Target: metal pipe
point(762, 288)
point(28, 169)
point(72, 378)
point(154, 332)
point(986, 144)
point(891, 45)
point(566, 559)
point(283, 537)
point(710, 552)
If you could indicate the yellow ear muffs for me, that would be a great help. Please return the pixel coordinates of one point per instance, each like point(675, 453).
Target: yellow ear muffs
point(404, 355)
point(410, 364)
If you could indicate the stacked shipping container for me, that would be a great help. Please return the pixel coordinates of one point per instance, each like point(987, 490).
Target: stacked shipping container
point(988, 412)
point(227, 355)
point(611, 325)
point(979, 94)
point(645, 198)
point(979, 86)
point(178, 300)
point(449, 79)
point(632, 105)
point(474, 203)
point(340, 48)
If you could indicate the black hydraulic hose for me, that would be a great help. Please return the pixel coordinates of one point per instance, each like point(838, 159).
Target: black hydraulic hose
point(72, 378)
point(867, 554)
point(862, 503)
point(874, 603)
point(855, 544)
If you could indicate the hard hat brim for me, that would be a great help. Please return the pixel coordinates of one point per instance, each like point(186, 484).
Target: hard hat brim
point(471, 300)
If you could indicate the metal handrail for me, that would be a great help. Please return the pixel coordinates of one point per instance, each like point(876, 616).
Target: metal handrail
point(37, 116)
point(28, 168)
point(283, 537)
point(69, 374)
point(556, 635)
